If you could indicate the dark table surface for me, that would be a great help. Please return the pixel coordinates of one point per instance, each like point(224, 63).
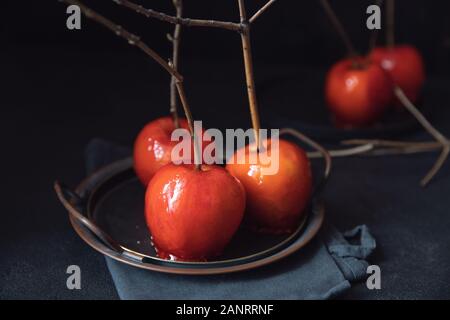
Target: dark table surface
point(53, 102)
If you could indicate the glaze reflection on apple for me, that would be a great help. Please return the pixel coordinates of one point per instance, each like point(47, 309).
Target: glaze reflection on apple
point(153, 147)
point(275, 203)
point(193, 214)
point(357, 92)
point(405, 65)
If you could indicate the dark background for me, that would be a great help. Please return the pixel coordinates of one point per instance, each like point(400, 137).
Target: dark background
point(60, 88)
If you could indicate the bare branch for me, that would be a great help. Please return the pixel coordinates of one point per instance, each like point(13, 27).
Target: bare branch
point(419, 116)
point(130, 37)
point(249, 74)
point(261, 11)
point(445, 143)
point(390, 143)
point(358, 150)
point(242, 11)
point(389, 147)
point(187, 22)
point(175, 39)
point(437, 166)
point(339, 27)
point(190, 120)
point(375, 33)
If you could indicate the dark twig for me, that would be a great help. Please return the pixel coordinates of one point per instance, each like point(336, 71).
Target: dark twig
point(339, 27)
point(175, 39)
point(190, 120)
point(132, 39)
point(150, 13)
point(445, 143)
point(375, 33)
point(390, 23)
point(249, 74)
point(243, 27)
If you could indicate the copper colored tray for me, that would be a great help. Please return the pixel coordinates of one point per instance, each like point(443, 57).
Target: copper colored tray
point(107, 212)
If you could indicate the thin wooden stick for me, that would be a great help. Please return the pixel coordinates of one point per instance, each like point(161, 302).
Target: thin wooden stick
point(249, 74)
point(339, 27)
point(374, 148)
point(445, 143)
point(358, 150)
point(437, 166)
point(390, 143)
point(190, 120)
point(175, 39)
point(261, 11)
point(390, 23)
point(132, 39)
point(374, 34)
point(150, 13)
point(243, 27)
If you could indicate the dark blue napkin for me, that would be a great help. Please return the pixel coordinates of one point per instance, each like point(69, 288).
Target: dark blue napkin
point(325, 268)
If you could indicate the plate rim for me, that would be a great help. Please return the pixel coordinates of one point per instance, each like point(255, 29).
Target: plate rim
point(95, 180)
point(289, 250)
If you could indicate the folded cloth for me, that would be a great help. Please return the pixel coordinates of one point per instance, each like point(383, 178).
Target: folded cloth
point(323, 269)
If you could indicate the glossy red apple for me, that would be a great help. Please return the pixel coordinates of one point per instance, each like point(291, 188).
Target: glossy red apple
point(405, 65)
point(193, 214)
point(275, 202)
point(153, 147)
point(357, 92)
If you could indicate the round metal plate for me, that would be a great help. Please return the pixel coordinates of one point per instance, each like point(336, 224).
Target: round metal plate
point(115, 204)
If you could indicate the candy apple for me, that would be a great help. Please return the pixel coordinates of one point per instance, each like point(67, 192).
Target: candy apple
point(405, 65)
point(153, 147)
point(193, 214)
point(357, 92)
point(275, 202)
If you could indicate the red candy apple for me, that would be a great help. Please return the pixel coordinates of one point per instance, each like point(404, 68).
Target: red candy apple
point(275, 202)
point(405, 66)
point(153, 147)
point(193, 214)
point(357, 92)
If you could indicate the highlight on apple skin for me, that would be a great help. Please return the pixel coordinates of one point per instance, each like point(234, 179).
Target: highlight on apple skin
point(276, 202)
point(193, 214)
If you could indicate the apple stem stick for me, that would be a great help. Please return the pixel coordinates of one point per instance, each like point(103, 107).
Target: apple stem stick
point(249, 74)
point(190, 120)
point(390, 23)
point(135, 40)
point(339, 28)
point(175, 39)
